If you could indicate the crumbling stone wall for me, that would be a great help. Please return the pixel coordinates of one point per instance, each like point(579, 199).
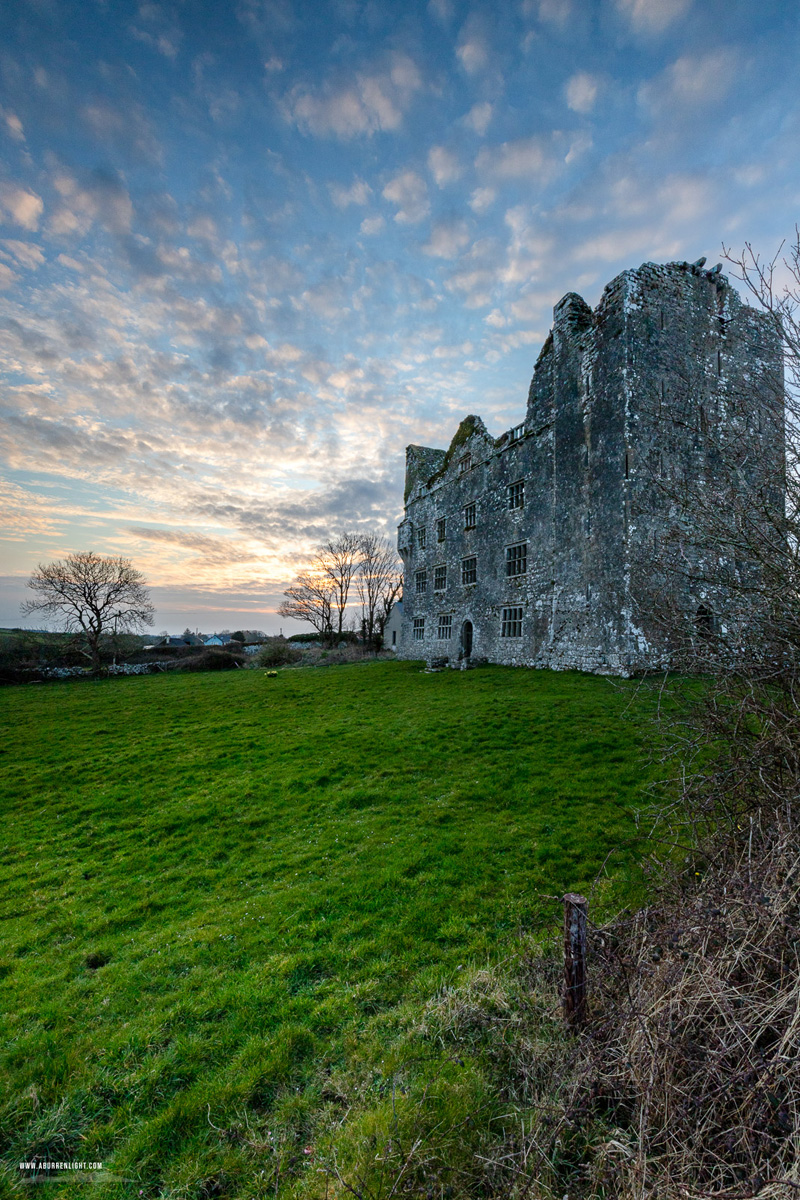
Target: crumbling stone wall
point(620, 396)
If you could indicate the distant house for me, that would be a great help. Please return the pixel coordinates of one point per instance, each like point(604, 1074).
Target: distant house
point(394, 623)
point(189, 640)
point(219, 639)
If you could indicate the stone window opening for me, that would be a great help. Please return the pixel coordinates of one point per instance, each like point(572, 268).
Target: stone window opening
point(516, 433)
point(588, 524)
point(703, 420)
point(719, 362)
point(394, 637)
point(421, 582)
point(469, 571)
point(445, 628)
point(421, 537)
point(511, 624)
point(516, 560)
point(441, 529)
point(627, 465)
point(465, 463)
point(704, 621)
point(419, 629)
point(516, 494)
point(470, 514)
point(662, 399)
point(439, 579)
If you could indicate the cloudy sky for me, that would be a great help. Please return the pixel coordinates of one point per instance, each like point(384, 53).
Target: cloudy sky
point(249, 249)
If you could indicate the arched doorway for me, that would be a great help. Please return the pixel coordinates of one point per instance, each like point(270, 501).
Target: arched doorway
point(466, 639)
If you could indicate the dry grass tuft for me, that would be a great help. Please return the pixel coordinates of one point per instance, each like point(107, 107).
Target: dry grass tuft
point(694, 1041)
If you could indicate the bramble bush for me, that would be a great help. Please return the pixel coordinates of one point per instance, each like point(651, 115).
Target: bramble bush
point(278, 653)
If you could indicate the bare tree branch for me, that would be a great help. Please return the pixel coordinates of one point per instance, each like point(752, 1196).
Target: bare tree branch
point(309, 599)
point(92, 595)
point(320, 595)
point(378, 581)
point(338, 561)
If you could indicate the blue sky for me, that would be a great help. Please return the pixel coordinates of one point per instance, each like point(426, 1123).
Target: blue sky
point(250, 250)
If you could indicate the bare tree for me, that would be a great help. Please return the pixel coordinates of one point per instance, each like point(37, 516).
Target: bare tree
point(736, 535)
point(775, 287)
point(91, 595)
point(715, 504)
point(337, 561)
point(320, 596)
point(378, 581)
point(309, 599)
point(729, 809)
point(750, 521)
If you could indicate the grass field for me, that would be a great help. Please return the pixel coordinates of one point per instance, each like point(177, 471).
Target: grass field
point(227, 897)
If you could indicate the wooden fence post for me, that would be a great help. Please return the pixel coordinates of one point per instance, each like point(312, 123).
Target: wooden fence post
point(575, 910)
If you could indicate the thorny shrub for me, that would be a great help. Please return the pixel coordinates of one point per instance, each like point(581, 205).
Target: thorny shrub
point(278, 653)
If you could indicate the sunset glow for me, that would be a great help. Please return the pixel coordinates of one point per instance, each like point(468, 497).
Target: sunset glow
point(250, 250)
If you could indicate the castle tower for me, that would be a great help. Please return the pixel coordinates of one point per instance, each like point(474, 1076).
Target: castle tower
point(556, 543)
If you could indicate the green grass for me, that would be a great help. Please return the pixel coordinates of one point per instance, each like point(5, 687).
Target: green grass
point(276, 874)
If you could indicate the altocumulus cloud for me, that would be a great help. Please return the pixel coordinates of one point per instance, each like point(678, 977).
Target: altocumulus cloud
point(374, 101)
point(242, 266)
point(22, 206)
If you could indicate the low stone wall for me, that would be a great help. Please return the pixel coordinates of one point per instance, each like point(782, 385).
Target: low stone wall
point(119, 669)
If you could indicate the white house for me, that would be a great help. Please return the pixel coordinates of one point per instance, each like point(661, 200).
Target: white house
point(391, 630)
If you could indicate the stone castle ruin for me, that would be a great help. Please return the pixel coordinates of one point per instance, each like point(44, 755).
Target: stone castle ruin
point(542, 547)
